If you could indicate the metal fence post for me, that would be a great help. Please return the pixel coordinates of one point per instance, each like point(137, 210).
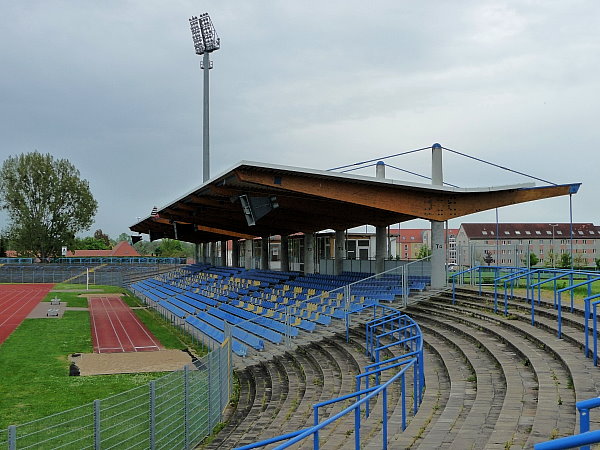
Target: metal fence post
point(97, 439)
point(186, 406)
point(12, 437)
point(152, 415)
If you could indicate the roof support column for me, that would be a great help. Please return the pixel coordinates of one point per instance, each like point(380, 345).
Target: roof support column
point(285, 253)
point(340, 251)
point(224, 253)
point(438, 246)
point(196, 253)
point(248, 254)
point(205, 253)
point(309, 253)
point(213, 253)
point(235, 253)
point(264, 253)
point(380, 231)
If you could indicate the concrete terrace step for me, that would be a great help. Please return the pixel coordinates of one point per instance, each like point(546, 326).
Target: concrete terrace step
point(236, 416)
point(342, 435)
point(478, 389)
point(437, 393)
point(585, 377)
point(536, 407)
point(546, 316)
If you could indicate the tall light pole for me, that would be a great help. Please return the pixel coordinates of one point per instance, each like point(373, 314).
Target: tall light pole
point(206, 41)
point(553, 252)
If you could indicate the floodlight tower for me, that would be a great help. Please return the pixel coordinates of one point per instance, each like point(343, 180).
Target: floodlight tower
point(206, 41)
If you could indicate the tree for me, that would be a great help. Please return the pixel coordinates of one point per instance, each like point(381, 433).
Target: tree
point(579, 261)
point(533, 259)
point(124, 237)
point(550, 260)
point(2, 246)
point(424, 252)
point(488, 259)
point(47, 203)
point(565, 261)
point(100, 236)
point(170, 248)
point(90, 243)
point(597, 261)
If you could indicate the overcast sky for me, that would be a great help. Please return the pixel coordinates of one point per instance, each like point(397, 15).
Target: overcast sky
point(116, 88)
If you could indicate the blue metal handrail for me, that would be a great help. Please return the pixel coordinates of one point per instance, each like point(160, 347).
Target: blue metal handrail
point(584, 437)
point(410, 335)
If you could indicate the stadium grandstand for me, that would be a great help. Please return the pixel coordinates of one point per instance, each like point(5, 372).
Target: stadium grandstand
point(404, 355)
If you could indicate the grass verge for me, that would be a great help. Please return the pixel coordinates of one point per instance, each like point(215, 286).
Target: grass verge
point(34, 366)
point(34, 370)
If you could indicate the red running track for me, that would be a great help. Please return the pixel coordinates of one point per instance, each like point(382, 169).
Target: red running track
point(115, 328)
point(16, 302)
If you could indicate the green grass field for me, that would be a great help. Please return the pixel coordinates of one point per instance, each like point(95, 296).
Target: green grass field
point(34, 367)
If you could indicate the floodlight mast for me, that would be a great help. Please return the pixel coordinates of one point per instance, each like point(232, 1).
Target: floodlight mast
point(206, 41)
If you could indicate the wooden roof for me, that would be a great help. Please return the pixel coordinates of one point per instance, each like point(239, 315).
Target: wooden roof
point(312, 200)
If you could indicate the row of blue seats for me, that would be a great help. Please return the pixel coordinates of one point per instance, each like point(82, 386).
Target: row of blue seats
point(217, 335)
point(183, 304)
point(184, 311)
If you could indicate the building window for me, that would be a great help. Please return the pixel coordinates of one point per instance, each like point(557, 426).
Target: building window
point(527, 232)
point(538, 232)
point(558, 232)
point(484, 233)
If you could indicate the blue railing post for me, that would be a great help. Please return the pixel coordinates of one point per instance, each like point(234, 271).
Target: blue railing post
point(357, 427)
point(496, 295)
point(572, 295)
point(532, 299)
point(539, 289)
point(584, 424)
point(316, 422)
point(595, 333)
point(403, 387)
point(385, 439)
point(586, 326)
point(559, 317)
point(416, 382)
point(453, 290)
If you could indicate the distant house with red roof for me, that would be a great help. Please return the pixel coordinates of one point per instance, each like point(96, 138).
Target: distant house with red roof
point(123, 248)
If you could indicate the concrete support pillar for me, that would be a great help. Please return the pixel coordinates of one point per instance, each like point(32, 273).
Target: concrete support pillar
point(309, 253)
point(340, 251)
point(224, 253)
point(213, 253)
point(285, 253)
point(438, 245)
point(248, 253)
point(196, 253)
point(205, 253)
point(264, 253)
point(235, 253)
point(380, 231)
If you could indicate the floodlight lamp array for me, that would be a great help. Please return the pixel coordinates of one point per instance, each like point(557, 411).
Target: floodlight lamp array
point(204, 35)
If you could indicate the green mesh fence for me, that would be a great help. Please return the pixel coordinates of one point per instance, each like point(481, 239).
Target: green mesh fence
point(177, 410)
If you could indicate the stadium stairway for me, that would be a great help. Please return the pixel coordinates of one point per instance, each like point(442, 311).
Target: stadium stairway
point(492, 381)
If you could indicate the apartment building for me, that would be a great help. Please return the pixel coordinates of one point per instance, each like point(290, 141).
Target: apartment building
point(510, 244)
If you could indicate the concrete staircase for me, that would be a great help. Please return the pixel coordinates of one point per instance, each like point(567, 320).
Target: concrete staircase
point(492, 381)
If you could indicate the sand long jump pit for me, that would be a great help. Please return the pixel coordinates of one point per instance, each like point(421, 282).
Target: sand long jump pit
point(130, 362)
